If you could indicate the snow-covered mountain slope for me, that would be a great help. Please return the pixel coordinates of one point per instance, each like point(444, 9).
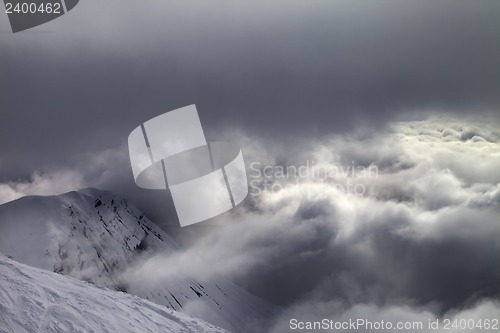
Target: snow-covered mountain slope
point(35, 300)
point(93, 235)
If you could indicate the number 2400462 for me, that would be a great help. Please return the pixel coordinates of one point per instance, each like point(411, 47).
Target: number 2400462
point(33, 8)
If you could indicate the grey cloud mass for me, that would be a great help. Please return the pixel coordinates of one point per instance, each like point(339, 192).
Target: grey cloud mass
point(421, 238)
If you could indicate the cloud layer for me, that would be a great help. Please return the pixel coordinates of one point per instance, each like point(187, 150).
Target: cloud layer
point(423, 232)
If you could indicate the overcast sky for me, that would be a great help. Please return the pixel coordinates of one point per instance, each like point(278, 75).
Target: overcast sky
point(284, 70)
point(83, 82)
point(331, 81)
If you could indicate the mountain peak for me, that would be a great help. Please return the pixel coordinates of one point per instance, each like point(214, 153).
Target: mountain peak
point(96, 192)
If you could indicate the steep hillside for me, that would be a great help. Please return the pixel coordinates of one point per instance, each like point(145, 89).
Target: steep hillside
point(93, 235)
point(35, 300)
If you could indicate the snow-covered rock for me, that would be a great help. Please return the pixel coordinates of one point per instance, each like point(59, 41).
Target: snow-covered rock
point(35, 300)
point(94, 235)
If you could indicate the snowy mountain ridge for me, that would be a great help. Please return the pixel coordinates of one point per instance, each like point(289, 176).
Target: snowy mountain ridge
point(94, 235)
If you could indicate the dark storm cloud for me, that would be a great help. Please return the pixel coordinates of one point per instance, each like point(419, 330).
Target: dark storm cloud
point(449, 271)
point(273, 69)
point(427, 237)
